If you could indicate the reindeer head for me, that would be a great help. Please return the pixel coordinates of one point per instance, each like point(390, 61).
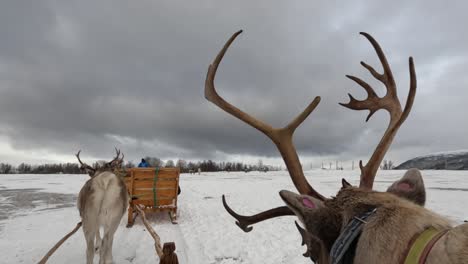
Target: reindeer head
point(324, 220)
point(322, 223)
point(311, 207)
point(108, 166)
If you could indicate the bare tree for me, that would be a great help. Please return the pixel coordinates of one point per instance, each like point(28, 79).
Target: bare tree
point(170, 164)
point(387, 165)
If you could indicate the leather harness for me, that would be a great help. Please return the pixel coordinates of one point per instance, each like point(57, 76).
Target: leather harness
point(419, 247)
point(421, 244)
point(344, 248)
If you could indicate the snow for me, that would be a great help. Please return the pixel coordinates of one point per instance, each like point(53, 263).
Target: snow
point(206, 233)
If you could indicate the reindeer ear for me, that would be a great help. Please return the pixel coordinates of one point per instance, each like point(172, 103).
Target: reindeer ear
point(410, 186)
point(311, 202)
point(345, 184)
point(300, 203)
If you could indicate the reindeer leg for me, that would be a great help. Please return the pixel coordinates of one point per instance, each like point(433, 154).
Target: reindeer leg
point(98, 242)
point(89, 236)
point(109, 236)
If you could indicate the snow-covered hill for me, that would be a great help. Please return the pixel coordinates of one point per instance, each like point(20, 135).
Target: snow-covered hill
point(453, 160)
point(37, 210)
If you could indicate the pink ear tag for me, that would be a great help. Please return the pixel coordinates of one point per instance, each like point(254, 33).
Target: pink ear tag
point(308, 203)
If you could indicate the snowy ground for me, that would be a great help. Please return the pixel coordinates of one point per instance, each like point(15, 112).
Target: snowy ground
point(37, 210)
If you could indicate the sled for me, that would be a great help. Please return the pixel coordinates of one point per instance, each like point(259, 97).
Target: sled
point(155, 189)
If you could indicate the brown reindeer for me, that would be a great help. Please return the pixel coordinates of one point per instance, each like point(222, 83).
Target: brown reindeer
point(323, 222)
point(319, 243)
point(395, 220)
point(102, 202)
point(388, 235)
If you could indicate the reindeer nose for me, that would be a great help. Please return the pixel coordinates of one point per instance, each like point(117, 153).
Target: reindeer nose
point(285, 193)
point(288, 196)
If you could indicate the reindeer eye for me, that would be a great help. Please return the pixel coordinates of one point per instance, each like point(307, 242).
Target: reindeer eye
point(308, 203)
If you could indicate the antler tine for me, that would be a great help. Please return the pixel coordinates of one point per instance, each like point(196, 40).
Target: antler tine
point(83, 165)
point(282, 137)
point(120, 161)
point(117, 152)
point(244, 222)
point(312, 244)
point(116, 160)
point(389, 102)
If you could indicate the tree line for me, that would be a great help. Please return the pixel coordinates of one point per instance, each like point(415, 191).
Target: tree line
point(24, 168)
point(185, 166)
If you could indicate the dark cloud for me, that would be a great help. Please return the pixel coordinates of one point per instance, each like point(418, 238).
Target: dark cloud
point(93, 75)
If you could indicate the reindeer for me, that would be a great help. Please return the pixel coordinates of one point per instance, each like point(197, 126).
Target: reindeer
point(398, 210)
point(102, 202)
point(389, 235)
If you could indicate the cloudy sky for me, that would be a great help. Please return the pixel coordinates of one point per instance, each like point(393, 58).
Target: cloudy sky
point(92, 75)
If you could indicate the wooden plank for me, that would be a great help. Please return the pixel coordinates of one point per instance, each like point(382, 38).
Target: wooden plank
point(164, 192)
point(139, 171)
point(160, 177)
point(161, 201)
point(165, 175)
point(148, 195)
point(150, 184)
point(150, 189)
point(164, 202)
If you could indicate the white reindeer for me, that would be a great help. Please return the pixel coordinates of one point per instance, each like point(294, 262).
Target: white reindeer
point(102, 202)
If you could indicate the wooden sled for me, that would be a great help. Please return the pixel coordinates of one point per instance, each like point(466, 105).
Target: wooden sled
point(154, 188)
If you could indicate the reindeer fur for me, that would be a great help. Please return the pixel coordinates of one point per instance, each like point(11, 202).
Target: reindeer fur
point(387, 235)
point(102, 202)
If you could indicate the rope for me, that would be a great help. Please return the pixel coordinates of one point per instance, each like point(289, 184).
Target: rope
point(53, 249)
point(154, 186)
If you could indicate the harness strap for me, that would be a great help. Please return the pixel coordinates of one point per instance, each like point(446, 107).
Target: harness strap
point(422, 244)
point(429, 246)
point(155, 179)
point(345, 240)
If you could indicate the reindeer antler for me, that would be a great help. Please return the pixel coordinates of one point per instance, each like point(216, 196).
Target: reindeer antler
point(282, 137)
point(373, 103)
point(244, 222)
point(116, 162)
point(84, 165)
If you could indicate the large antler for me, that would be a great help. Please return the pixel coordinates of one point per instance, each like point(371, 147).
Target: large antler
point(282, 137)
point(244, 222)
point(84, 166)
point(373, 103)
point(116, 162)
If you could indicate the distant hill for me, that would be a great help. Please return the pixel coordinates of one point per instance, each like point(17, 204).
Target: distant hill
point(453, 160)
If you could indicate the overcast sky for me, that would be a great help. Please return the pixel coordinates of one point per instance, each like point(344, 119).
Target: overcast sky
point(92, 75)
